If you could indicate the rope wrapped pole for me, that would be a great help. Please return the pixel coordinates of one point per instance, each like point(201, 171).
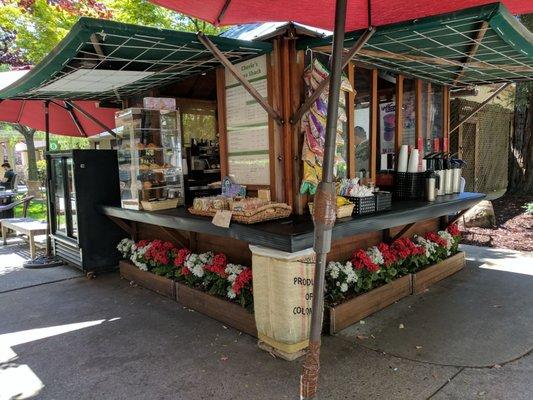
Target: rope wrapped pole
point(325, 211)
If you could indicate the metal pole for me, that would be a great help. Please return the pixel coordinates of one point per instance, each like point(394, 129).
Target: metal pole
point(325, 210)
point(88, 116)
point(48, 178)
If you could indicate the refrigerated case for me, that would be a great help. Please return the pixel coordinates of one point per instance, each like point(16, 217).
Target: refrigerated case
point(81, 180)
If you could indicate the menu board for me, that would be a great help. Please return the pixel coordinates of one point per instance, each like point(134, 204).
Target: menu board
point(247, 125)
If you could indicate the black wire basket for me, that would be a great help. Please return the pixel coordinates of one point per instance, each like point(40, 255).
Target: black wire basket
point(363, 205)
point(409, 185)
point(383, 201)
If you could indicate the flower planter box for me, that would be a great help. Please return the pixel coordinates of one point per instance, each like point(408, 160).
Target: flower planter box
point(434, 273)
point(351, 311)
point(161, 285)
point(228, 313)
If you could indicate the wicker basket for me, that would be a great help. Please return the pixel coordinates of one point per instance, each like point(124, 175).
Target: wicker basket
point(265, 213)
point(363, 205)
point(383, 201)
point(342, 211)
point(159, 204)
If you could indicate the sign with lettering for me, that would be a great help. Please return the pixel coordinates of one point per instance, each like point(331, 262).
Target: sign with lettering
point(247, 125)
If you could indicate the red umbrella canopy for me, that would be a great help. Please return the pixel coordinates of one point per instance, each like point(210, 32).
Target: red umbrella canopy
point(62, 120)
point(320, 13)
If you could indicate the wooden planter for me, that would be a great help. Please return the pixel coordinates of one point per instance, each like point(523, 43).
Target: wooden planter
point(353, 310)
point(434, 273)
point(228, 313)
point(161, 285)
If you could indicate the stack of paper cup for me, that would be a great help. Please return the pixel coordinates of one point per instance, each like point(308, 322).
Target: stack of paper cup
point(402, 158)
point(413, 161)
point(423, 166)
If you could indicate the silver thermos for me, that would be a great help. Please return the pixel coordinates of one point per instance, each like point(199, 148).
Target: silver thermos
point(432, 185)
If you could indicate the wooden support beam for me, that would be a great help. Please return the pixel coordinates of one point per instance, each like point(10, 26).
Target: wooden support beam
point(237, 74)
point(374, 134)
point(288, 175)
point(402, 232)
point(480, 107)
point(418, 114)
point(176, 236)
point(350, 112)
point(122, 225)
point(357, 46)
point(473, 50)
point(221, 120)
point(398, 133)
point(446, 119)
point(456, 217)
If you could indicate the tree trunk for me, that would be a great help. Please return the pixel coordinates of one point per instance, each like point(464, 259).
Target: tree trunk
point(28, 135)
point(521, 145)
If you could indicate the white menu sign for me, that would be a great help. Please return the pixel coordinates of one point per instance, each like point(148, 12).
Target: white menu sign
point(247, 125)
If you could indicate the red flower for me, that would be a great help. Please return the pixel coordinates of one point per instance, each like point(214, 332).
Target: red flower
point(142, 243)
point(453, 230)
point(181, 256)
point(388, 255)
point(361, 260)
point(434, 237)
point(405, 248)
point(243, 279)
point(218, 269)
point(220, 260)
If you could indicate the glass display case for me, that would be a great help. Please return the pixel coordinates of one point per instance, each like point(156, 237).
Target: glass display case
point(149, 158)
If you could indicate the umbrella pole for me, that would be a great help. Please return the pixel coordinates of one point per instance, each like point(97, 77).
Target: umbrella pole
point(325, 210)
point(48, 260)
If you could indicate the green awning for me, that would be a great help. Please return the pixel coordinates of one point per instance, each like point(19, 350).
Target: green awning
point(107, 60)
point(475, 46)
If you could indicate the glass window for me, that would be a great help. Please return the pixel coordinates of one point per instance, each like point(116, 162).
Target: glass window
point(363, 79)
point(199, 122)
point(386, 120)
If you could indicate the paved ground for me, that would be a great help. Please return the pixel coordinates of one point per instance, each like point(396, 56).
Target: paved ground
point(104, 339)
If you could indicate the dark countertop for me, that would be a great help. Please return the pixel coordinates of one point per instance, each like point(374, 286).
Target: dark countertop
point(296, 233)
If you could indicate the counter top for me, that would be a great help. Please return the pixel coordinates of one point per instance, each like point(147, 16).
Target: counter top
point(296, 233)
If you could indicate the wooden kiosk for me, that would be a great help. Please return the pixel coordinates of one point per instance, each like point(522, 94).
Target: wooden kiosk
point(402, 77)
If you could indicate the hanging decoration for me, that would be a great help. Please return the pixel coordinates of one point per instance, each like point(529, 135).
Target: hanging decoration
point(314, 127)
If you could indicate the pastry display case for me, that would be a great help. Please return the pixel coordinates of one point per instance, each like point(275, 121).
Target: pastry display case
point(149, 158)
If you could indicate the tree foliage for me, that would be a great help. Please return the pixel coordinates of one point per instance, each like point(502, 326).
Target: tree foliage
point(30, 29)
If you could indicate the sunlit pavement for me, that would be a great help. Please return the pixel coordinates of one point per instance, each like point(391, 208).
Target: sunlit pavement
point(67, 337)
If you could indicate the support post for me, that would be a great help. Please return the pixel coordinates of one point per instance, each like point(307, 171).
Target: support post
point(325, 211)
point(345, 60)
point(209, 45)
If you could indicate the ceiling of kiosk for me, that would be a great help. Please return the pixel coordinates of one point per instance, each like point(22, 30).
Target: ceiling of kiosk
point(475, 46)
point(107, 60)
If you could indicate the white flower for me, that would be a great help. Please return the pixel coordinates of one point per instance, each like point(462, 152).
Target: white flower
point(344, 287)
point(449, 240)
point(125, 247)
point(375, 255)
point(231, 294)
point(333, 269)
point(428, 245)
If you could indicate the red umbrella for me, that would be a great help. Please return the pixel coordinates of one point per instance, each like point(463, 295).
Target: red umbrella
point(320, 13)
point(341, 16)
point(76, 118)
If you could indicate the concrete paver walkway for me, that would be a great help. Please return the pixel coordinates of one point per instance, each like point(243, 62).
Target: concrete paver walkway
point(104, 339)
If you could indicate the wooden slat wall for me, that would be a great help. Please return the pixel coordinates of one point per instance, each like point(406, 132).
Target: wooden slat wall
point(446, 118)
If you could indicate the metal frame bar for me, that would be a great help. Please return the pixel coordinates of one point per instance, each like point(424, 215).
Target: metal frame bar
point(90, 117)
point(357, 46)
point(236, 73)
point(480, 107)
